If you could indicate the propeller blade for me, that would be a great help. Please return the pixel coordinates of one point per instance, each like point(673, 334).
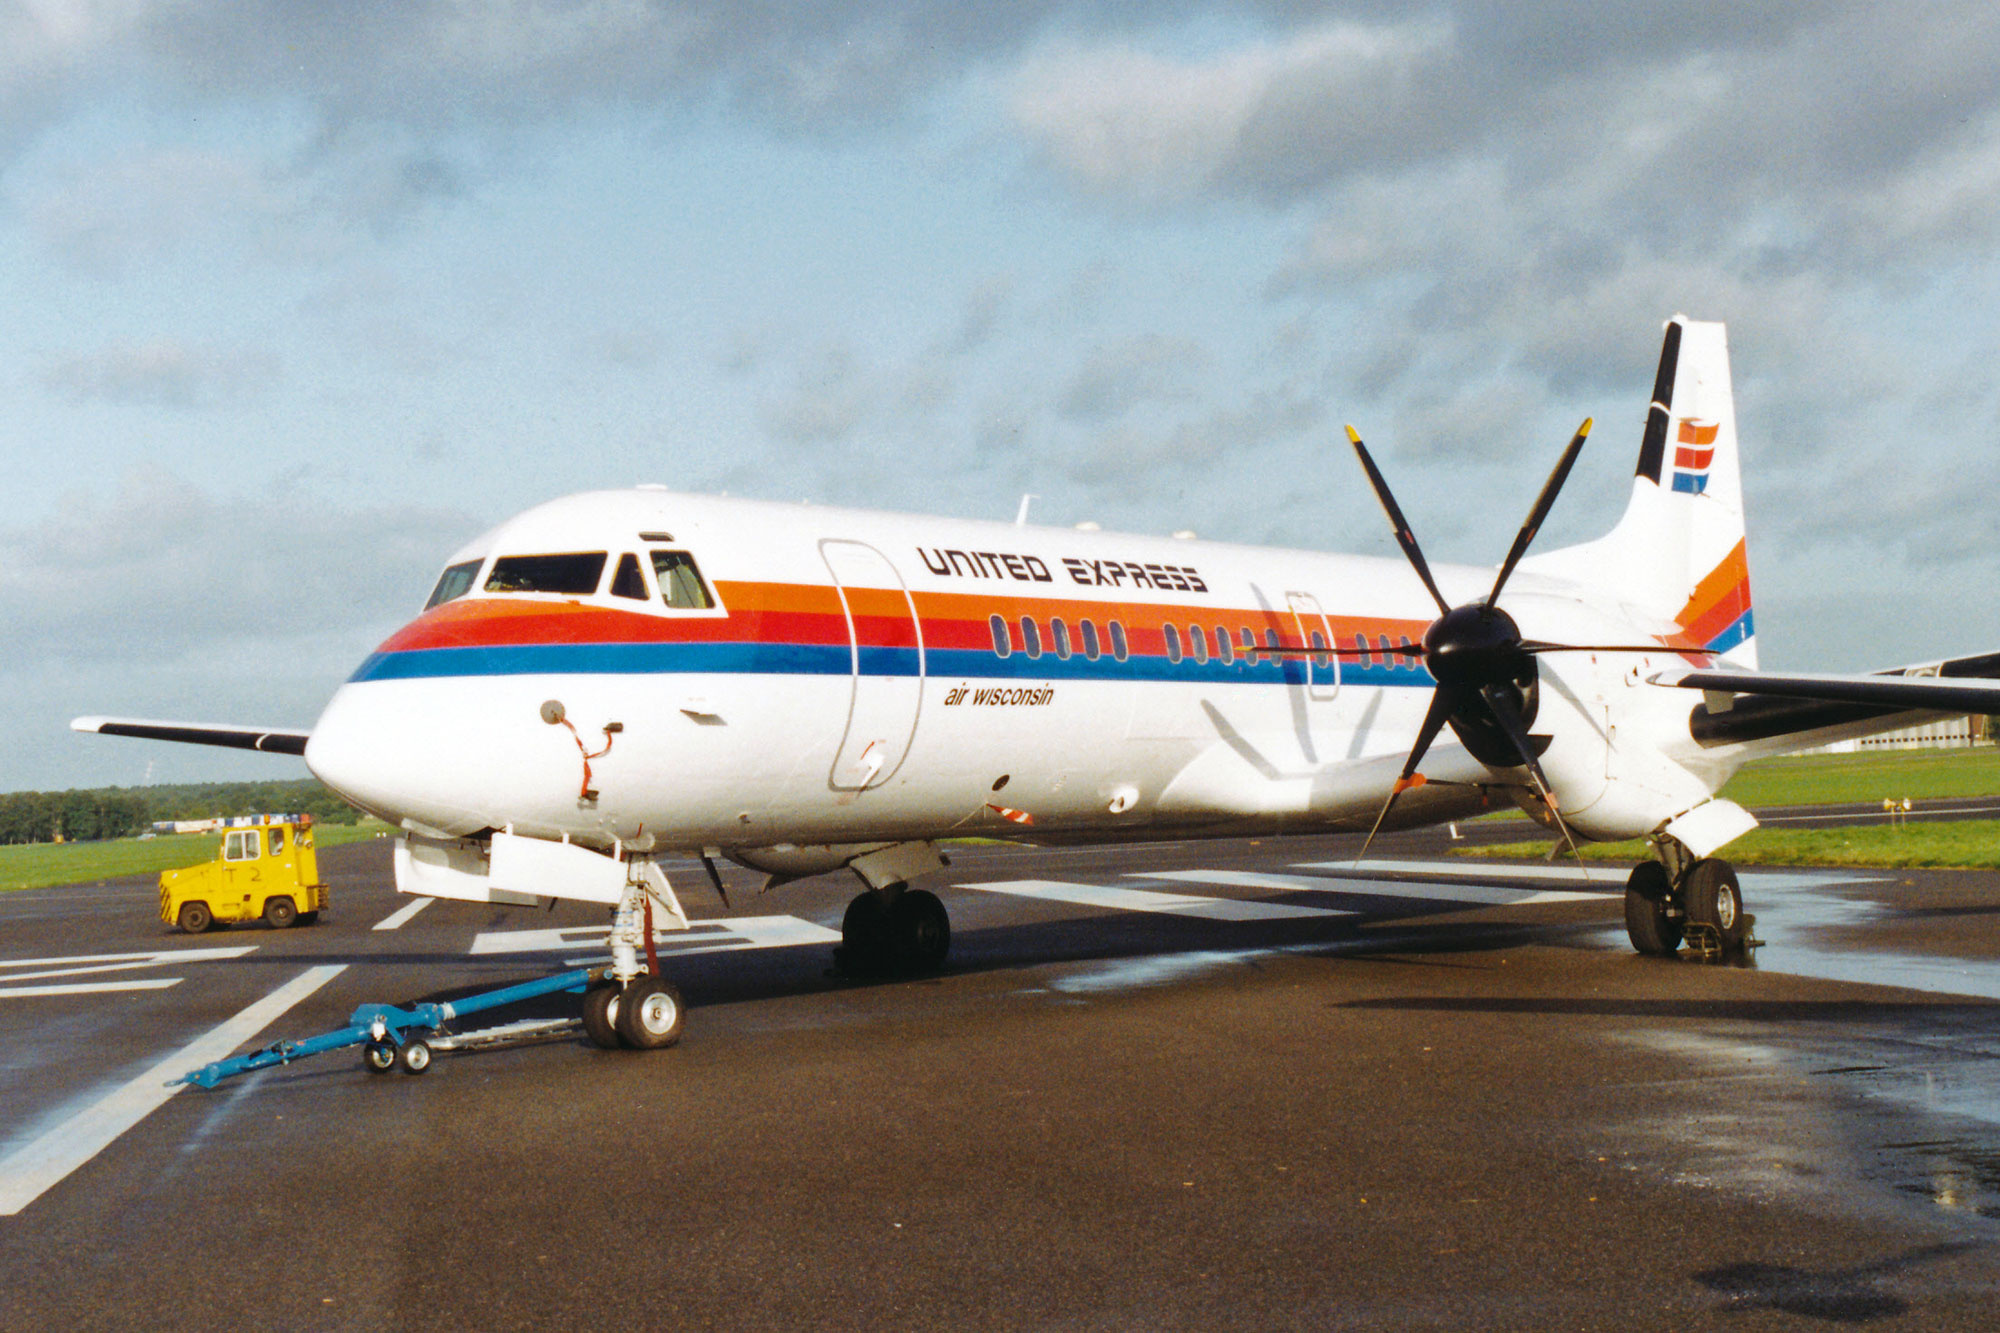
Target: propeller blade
point(1502, 708)
point(1404, 537)
point(1442, 702)
point(1543, 504)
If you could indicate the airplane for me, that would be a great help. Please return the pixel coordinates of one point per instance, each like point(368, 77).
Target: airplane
point(614, 677)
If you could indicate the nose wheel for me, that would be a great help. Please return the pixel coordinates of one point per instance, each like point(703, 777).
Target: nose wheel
point(646, 1014)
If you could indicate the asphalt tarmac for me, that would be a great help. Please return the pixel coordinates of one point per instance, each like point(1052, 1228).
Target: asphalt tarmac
point(1186, 1085)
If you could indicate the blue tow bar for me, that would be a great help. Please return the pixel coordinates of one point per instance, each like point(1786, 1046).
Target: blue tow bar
point(391, 1034)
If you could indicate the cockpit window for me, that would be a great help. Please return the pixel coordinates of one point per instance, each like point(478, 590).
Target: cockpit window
point(575, 575)
point(680, 582)
point(454, 583)
point(628, 581)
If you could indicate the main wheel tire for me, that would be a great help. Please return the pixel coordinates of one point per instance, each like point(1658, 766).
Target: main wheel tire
point(1714, 898)
point(414, 1056)
point(1647, 924)
point(600, 1017)
point(865, 946)
point(195, 918)
point(921, 931)
point(280, 913)
point(650, 1014)
point(378, 1057)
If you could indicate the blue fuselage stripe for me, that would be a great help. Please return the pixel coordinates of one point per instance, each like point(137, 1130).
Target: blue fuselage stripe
point(786, 659)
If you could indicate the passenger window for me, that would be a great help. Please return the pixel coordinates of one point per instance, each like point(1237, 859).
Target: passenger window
point(680, 582)
point(1001, 646)
point(1059, 632)
point(1173, 644)
point(1271, 640)
point(1321, 657)
point(1031, 638)
point(1089, 630)
point(1249, 646)
point(573, 575)
point(1388, 657)
point(1198, 642)
point(1223, 650)
point(455, 582)
point(1118, 649)
point(628, 581)
point(1367, 657)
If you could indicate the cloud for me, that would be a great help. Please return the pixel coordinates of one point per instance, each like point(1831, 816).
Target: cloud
point(1115, 379)
point(160, 571)
point(162, 373)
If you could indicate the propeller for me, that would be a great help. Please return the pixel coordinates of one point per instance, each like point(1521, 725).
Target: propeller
point(1484, 668)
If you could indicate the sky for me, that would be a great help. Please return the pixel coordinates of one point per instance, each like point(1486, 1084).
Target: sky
point(294, 299)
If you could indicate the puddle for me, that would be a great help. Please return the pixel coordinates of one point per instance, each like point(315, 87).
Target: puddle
point(1905, 1112)
point(1792, 907)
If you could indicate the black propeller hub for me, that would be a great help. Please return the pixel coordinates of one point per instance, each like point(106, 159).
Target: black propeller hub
point(1474, 649)
point(1475, 645)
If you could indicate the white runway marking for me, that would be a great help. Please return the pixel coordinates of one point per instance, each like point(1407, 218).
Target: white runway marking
point(1142, 900)
point(713, 936)
point(399, 918)
point(86, 987)
point(88, 964)
point(1608, 876)
point(38, 1165)
point(1457, 891)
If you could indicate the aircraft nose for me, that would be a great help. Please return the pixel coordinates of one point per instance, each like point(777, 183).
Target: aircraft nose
point(373, 758)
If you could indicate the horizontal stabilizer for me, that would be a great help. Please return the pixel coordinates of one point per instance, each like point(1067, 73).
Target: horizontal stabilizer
point(1927, 693)
point(272, 740)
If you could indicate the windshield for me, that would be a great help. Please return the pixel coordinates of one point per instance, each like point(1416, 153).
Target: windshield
point(680, 582)
point(455, 582)
point(576, 574)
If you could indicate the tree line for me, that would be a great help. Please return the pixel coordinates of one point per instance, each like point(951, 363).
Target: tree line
point(90, 814)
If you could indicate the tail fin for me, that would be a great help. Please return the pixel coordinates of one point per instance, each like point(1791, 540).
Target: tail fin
point(1678, 553)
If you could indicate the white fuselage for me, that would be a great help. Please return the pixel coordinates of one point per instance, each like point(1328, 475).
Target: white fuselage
point(848, 684)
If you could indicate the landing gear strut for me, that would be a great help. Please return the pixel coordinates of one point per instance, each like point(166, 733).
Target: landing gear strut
point(1680, 897)
point(894, 931)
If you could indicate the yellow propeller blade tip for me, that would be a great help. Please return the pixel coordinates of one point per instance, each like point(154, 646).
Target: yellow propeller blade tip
point(1584, 429)
point(1353, 435)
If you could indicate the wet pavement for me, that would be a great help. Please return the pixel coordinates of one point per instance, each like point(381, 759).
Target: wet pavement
point(1177, 1085)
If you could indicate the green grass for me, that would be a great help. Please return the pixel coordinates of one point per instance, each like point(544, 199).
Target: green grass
point(1871, 776)
point(1972, 844)
point(42, 865)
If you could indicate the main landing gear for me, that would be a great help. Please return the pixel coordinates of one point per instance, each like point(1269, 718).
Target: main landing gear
point(893, 931)
point(1683, 898)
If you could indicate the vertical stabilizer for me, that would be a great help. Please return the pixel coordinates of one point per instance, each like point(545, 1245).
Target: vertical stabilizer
point(1678, 553)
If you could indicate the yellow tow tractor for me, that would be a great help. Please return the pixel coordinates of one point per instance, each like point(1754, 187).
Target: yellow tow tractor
point(266, 869)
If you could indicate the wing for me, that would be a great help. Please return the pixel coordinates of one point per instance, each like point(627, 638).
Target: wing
point(1755, 705)
point(272, 740)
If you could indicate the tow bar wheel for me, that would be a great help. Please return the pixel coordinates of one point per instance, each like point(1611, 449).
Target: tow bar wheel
point(414, 1056)
point(649, 1014)
point(378, 1057)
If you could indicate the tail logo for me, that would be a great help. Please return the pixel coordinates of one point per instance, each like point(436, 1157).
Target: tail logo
point(1694, 450)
